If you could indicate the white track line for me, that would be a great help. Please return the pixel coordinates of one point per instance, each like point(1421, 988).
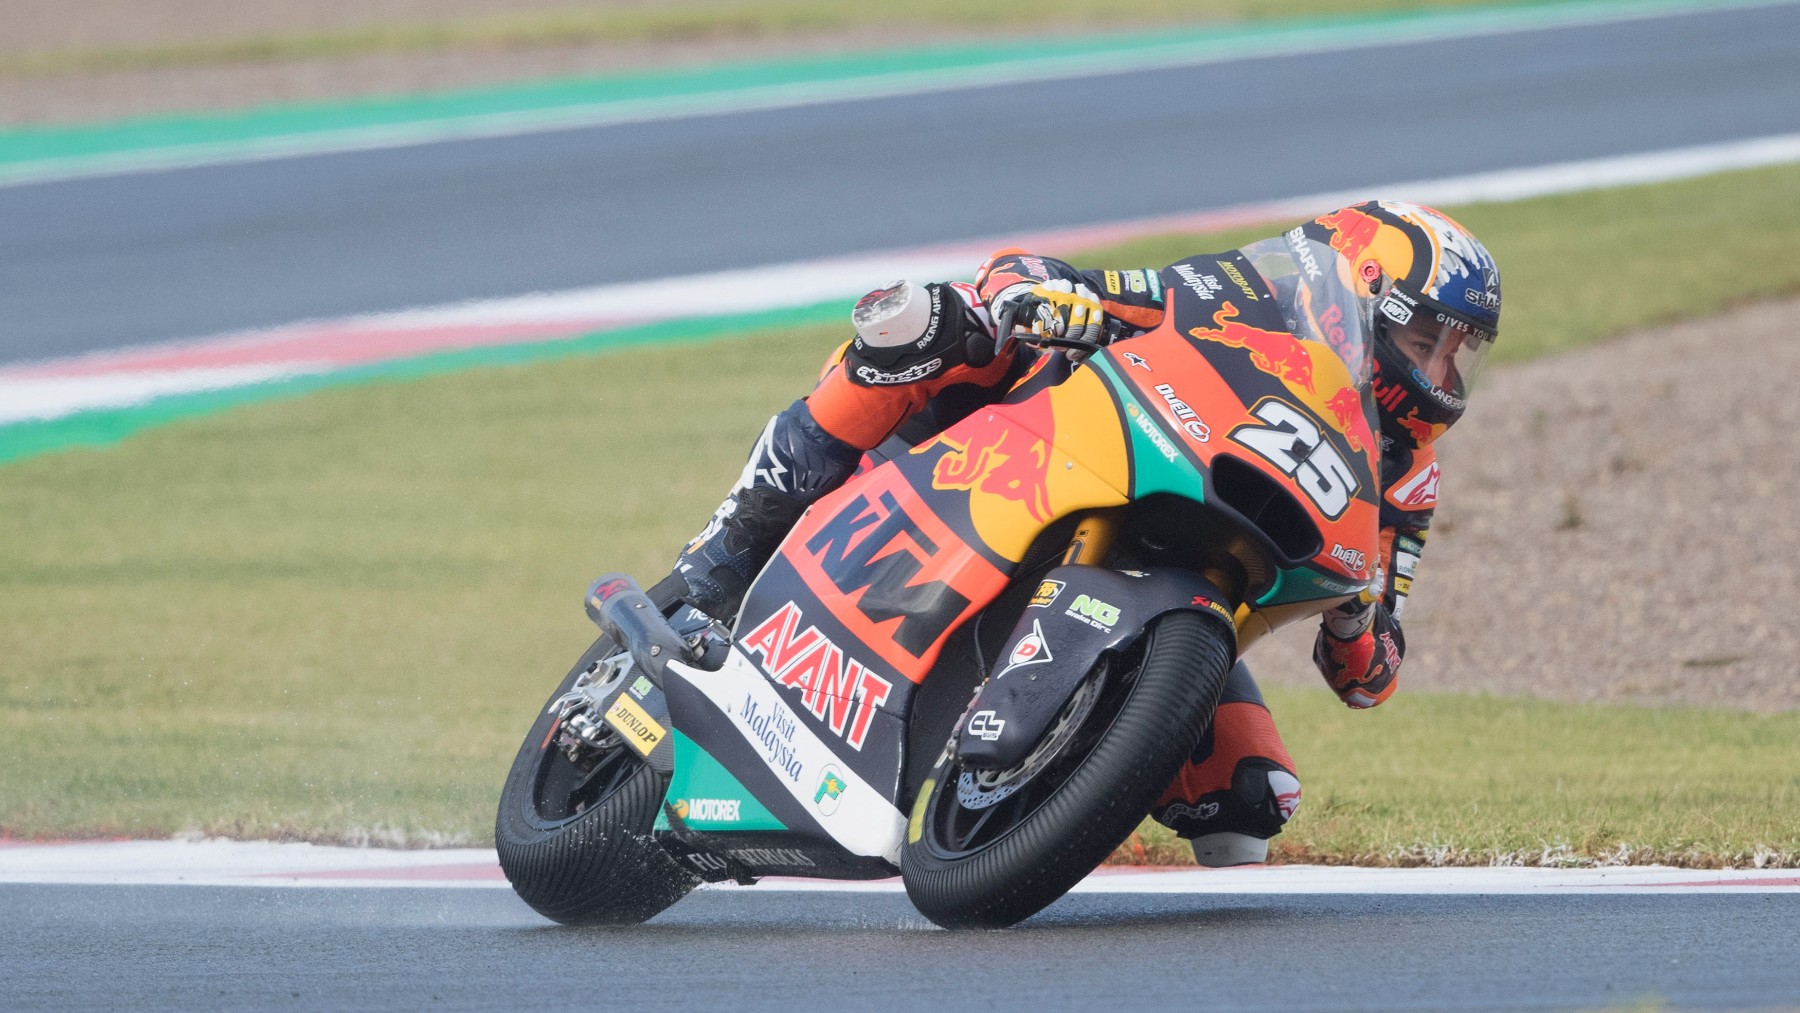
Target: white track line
point(269, 864)
point(54, 388)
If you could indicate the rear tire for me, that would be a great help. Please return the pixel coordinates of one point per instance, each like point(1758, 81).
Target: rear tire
point(1069, 814)
point(578, 845)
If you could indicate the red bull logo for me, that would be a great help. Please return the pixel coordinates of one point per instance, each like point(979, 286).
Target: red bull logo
point(1275, 352)
point(1351, 231)
point(1002, 460)
point(1423, 433)
point(1346, 407)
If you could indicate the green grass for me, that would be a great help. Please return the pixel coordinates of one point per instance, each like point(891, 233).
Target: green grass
point(332, 616)
point(692, 20)
point(1459, 780)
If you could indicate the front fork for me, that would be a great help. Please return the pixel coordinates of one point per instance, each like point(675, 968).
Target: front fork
point(1095, 534)
point(1093, 537)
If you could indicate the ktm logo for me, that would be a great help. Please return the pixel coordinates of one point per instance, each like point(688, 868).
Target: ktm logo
point(878, 547)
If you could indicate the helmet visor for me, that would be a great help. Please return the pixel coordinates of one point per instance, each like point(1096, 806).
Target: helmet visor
point(1446, 352)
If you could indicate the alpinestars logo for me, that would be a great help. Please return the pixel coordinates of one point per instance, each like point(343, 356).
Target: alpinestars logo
point(1421, 490)
point(875, 377)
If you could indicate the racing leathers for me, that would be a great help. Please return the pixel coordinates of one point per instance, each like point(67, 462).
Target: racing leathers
point(926, 356)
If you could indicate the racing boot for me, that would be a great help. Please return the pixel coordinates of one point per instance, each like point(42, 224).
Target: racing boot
point(793, 463)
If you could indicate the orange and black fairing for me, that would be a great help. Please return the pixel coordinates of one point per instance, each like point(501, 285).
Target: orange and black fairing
point(876, 577)
point(1256, 420)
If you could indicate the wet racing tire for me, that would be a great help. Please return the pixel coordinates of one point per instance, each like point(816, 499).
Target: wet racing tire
point(977, 858)
point(575, 838)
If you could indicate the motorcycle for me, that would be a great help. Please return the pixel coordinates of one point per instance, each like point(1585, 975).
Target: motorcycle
point(979, 662)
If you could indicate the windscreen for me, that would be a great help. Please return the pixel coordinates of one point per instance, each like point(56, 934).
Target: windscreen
point(1320, 301)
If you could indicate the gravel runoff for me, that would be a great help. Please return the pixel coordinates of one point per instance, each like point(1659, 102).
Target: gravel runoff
point(1619, 523)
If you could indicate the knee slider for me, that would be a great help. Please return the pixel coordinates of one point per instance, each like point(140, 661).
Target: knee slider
point(1267, 793)
point(1262, 798)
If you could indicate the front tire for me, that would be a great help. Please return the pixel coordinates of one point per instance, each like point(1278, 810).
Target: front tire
point(977, 858)
point(575, 839)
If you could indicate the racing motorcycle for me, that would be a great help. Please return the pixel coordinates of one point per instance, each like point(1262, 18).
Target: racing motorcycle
point(980, 661)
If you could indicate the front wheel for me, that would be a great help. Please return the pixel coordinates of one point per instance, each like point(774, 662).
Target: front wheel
point(574, 827)
point(985, 849)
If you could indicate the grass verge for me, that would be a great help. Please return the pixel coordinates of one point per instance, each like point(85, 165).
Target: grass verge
point(1461, 780)
point(689, 21)
point(330, 617)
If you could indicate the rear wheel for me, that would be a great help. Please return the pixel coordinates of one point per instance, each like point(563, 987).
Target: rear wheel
point(986, 849)
point(574, 827)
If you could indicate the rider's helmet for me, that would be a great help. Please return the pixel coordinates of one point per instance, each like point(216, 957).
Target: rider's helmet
point(1435, 297)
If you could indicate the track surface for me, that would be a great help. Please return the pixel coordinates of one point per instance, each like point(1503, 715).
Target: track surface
point(105, 263)
point(148, 947)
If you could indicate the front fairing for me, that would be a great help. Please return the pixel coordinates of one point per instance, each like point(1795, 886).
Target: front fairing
point(1271, 370)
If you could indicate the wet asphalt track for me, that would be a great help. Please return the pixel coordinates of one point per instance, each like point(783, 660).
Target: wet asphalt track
point(103, 263)
point(188, 947)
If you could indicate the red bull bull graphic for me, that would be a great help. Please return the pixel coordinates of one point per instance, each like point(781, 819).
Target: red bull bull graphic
point(1275, 352)
point(1346, 407)
point(1423, 433)
point(1352, 231)
point(1006, 461)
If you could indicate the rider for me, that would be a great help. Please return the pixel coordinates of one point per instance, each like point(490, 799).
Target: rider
point(924, 356)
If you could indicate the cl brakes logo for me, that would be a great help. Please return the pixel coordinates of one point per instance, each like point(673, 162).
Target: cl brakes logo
point(986, 725)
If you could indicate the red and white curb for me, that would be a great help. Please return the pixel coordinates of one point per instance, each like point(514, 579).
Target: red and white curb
point(52, 389)
point(270, 864)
